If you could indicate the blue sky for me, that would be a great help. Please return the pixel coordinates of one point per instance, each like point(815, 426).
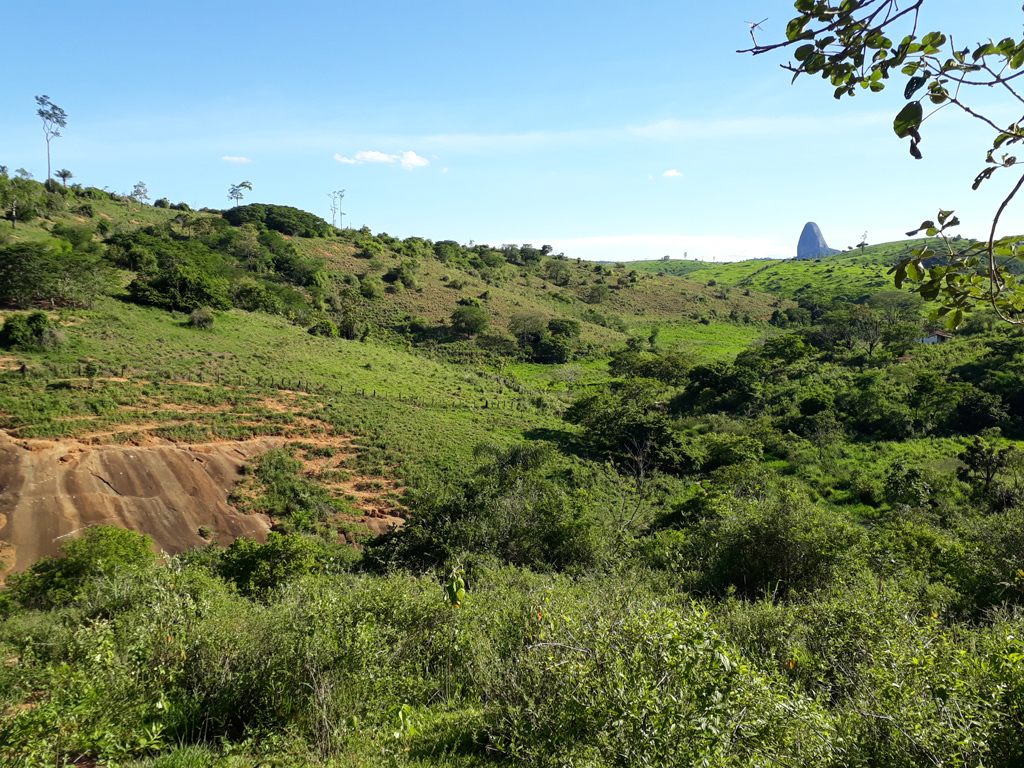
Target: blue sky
point(608, 130)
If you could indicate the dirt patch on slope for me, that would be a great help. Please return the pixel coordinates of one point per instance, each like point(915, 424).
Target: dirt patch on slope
point(52, 490)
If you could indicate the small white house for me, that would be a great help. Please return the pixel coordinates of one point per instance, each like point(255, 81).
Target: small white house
point(935, 337)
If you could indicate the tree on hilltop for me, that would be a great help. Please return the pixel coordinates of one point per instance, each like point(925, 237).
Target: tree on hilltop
point(851, 44)
point(64, 174)
point(235, 191)
point(54, 118)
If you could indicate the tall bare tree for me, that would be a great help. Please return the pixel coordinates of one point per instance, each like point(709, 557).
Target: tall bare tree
point(54, 118)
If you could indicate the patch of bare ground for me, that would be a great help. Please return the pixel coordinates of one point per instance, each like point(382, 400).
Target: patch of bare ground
point(128, 475)
point(51, 490)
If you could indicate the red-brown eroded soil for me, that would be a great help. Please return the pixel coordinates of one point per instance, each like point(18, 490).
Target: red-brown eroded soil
point(52, 490)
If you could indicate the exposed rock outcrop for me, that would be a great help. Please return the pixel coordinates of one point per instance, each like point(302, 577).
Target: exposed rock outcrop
point(52, 490)
point(812, 243)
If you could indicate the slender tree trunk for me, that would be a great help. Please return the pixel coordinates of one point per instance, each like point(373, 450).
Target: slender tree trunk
point(47, 159)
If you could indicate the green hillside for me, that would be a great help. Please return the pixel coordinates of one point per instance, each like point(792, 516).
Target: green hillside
point(850, 274)
point(516, 509)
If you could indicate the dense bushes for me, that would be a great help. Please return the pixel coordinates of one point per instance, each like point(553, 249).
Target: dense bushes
point(30, 332)
point(58, 272)
point(182, 288)
point(103, 552)
point(280, 218)
point(470, 320)
point(220, 268)
point(614, 670)
point(506, 511)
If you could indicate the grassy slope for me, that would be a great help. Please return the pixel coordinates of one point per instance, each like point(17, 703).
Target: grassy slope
point(850, 273)
point(652, 298)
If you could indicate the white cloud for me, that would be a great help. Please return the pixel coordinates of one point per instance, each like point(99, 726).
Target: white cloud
point(235, 159)
point(411, 160)
point(672, 174)
point(407, 160)
point(374, 156)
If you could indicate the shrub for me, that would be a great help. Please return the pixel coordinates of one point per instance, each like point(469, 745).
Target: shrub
point(325, 328)
point(201, 318)
point(27, 332)
point(561, 326)
point(371, 288)
point(505, 510)
point(254, 296)
point(258, 568)
point(281, 218)
point(182, 288)
point(104, 551)
point(773, 541)
point(598, 294)
point(163, 202)
point(404, 274)
point(470, 320)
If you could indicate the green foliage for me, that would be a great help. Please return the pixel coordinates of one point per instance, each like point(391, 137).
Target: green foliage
point(202, 318)
point(33, 271)
point(470, 321)
point(103, 552)
point(404, 273)
point(279, 218)
point(669, 368)
point(769, 543)
point(259, 568)
point(561, 326)
point(371, 288)
point(182, 288)
point(30, 332)
point(506, 510)
point(324, 328)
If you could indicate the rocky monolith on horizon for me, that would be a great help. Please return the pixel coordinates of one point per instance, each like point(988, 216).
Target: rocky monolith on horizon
point(812, 243)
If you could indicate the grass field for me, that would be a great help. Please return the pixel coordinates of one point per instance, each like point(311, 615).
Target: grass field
point(852, 273)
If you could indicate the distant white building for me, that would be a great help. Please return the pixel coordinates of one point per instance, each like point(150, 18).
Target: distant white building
point(935, 337)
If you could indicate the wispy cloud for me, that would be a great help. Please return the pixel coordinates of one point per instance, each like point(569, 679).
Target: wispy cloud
point(672, 174)
point(669, 131)
point(407, 160)
point(235, 159)
point(680, 130)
